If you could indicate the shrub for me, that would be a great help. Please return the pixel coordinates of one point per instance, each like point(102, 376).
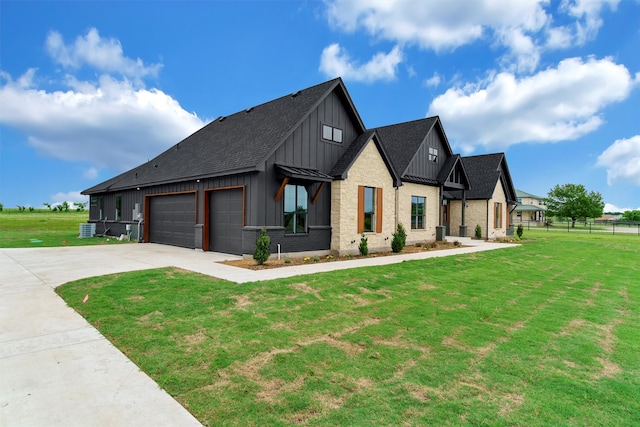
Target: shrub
point(457, 244)
point(262, 251)
point(399, 239)
point(519, 231)
point(363, 248)
point(287, 261)
point(316, 259)
point(478, 232)
point(1, 207)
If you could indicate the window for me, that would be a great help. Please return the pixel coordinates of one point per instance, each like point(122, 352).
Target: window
point(418, 208)
point(369, 209)
point(433, 154)
point(295, 209)
point(497, 218)
point(101, 207)
point(118, 208)
point(331, 134)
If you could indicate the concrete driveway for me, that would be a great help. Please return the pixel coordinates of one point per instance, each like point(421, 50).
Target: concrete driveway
point(57, 370)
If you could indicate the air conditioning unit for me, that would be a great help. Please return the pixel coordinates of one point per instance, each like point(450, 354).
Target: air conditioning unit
point(87, 230)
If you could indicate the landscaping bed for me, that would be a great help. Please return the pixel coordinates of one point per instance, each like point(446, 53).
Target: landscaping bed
point(286, 262)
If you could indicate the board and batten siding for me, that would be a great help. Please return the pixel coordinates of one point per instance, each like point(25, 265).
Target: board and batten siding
point(420, 165)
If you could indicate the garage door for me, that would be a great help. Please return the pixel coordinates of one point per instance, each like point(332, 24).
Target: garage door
point(172, 220)
point(225, 221)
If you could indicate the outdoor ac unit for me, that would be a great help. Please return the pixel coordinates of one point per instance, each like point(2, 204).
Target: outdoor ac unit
point(87, 230)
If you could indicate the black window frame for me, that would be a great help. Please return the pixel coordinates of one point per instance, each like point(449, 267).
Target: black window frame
point(369, 212)
point(416, 217)
point(299, 217)
point(433, 154)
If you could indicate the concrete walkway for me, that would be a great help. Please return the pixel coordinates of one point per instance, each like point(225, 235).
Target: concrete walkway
point(57, 370)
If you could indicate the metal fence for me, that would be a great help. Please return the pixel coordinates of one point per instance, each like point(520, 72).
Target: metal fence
point(613, 227)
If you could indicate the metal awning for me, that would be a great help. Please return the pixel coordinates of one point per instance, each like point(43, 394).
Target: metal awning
point(304, 174)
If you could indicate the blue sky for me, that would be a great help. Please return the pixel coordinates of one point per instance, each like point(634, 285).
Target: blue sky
point(90, 89)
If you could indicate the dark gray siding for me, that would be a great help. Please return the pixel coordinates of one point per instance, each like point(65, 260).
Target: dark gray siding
point(420, 165)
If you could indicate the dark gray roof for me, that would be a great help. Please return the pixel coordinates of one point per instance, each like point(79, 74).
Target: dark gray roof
point(237, 143)
point(403, 140)
point(484, 172)
point(341, 168)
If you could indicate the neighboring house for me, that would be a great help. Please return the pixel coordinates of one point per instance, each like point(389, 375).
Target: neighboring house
point(530, 208)
point(303, 167)
point(489, 202)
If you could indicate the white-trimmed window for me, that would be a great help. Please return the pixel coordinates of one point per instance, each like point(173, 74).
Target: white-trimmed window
point(433, 154)
point(333, 134)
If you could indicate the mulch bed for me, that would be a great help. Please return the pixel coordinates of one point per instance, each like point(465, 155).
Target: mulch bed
point(286, 262)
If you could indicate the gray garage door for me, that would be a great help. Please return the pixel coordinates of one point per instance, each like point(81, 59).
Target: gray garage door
point(172, 220)
point(225, 221)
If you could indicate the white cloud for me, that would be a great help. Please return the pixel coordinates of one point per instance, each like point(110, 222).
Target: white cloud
point(609, 207)
point(91, 173)
point(523, 28)
point(556, 104)
point(443, 26)
point(433, 80)
point(71, 196)
point(587, 14)
point(108, 124)
point(335, 61)
point(622, 161)
point(112, 123)
point(105, 55)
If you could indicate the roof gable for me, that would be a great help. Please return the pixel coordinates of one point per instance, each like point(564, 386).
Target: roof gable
point(485, 171)
point(407, 144)
point(231, 144)
point(341, 169)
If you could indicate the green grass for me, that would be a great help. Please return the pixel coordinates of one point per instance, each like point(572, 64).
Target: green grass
point(43, 228)
point(543, 334)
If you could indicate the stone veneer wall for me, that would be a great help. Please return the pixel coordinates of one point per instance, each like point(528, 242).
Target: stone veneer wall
point(431, 193)
point(476, 213)
point(370, 170)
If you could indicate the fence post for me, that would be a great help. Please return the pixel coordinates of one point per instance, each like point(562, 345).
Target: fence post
point(614, 227)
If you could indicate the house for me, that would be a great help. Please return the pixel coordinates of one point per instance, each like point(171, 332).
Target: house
point(305, 168)
point(489, 202)
point(530, 208)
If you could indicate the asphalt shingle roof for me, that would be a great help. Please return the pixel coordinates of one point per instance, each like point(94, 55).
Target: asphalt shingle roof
point(403, 140)
point(231, 144)
point(484, 171)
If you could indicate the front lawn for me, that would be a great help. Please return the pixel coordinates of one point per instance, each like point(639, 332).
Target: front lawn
point(543, 334)
point(44, 228)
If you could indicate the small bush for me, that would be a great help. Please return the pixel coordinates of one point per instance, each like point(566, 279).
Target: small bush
point(519, 231)
point(262, 251)
point(457, 244)
point(478, 232)
point(287, 261)
point(316, 259)
point(363, 248)
point(399, 239)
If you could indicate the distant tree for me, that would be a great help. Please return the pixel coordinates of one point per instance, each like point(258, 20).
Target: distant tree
point(631, 216)
point(80, 207)
point(1, 207)
point(47, 205)
point(573, 201)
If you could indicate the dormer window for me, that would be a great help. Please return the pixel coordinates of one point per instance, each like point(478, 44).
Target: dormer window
point(433, 154)
point(329, 133)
